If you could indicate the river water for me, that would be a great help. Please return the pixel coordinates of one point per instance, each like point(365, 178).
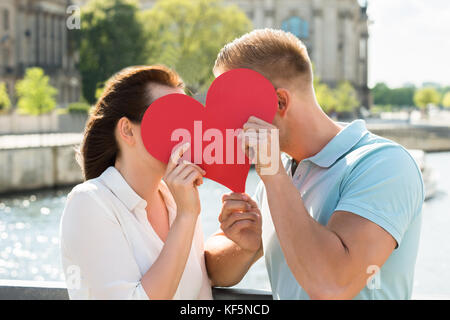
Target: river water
point(29, 241)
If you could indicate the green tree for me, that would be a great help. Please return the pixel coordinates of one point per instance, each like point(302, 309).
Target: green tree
point(111, 38)
point(36, 95)
point(326, 97)
point(426, 96)
point(402, 96)
point(187, 35)
point(446, 100)
point(346, 97)
point(381, 94)
point(5, 102)
point(384, 96)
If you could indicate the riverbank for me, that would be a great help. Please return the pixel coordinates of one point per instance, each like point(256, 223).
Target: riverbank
point(42, 161)
point(38, 161)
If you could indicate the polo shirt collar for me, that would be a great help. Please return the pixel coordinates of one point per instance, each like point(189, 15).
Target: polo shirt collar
point(346, 139)
point(114, 181)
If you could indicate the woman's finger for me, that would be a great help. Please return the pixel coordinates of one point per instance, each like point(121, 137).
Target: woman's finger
point(176, 171)
point(183, 169)
point(195, 166)
point(176, 155)
point(194, 177)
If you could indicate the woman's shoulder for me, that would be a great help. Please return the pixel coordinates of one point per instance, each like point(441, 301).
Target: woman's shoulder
point(88, 198)
point(89, 191)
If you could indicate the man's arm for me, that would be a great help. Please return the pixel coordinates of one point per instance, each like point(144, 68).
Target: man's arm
point(329, 262)
point(230, 252)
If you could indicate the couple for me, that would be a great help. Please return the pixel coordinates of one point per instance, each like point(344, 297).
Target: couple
point(343, 208)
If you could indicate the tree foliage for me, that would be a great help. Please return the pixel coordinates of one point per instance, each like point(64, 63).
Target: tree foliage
point(79, 108)
point(111, 38)
point(326, 97)
point(344, 98)
point(383, 95)
point(446, 100)
point(36, 95)
point(426, 96)
point(5, 102)
point(186, 35)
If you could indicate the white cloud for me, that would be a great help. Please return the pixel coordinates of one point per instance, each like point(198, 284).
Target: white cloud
point(409, 41)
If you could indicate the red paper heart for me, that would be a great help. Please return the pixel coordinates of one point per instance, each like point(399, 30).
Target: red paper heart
point(232, 98)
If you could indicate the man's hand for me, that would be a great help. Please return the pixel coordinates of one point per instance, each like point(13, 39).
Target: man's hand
point(261, 145)
point(240, 221)
point(230, 252)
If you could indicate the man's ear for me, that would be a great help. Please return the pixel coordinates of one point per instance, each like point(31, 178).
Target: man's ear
point(284, 101)
point(125, 131)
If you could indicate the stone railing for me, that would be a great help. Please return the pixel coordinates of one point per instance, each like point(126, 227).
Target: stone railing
point(46, 290)
point(37, 290)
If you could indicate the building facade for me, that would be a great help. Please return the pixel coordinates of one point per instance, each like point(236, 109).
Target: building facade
point(33, 33)
point(335, 32)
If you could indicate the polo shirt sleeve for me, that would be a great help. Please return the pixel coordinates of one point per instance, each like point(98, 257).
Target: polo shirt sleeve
point(386, 188)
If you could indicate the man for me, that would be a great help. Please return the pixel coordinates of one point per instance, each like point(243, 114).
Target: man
point(341, 217)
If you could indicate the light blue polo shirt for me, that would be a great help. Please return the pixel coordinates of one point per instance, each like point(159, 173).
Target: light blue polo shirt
point(367, 175)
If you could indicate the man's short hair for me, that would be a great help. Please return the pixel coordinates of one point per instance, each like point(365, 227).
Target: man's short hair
point(276, 54)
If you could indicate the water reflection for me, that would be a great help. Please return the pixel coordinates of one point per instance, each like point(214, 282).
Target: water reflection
point(29, 234)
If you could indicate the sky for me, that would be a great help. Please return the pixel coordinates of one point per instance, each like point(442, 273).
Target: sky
point(409, 42)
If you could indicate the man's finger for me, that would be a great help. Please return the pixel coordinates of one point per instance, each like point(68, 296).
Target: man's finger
point(254, 119)
point(231, 206)
point(238, 216)
point(256, 126)
point(235, 196)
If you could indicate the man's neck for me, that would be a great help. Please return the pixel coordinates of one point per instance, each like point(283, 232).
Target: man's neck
point(310, 137)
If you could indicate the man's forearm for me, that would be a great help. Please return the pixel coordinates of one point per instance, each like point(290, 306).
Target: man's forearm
point(226, 262)
point(315, 254)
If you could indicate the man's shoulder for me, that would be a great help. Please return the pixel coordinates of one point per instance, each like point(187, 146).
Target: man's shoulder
point(374, 149)
point(378, 158)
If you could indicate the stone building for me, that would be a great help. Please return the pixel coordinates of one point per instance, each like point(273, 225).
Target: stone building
point(34, 33)
point(335, 32)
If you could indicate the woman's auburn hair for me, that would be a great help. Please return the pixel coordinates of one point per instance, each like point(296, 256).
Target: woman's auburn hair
point(126, 94)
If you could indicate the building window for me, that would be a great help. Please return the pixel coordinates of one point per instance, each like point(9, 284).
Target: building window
point(362, 48)
point(6, 19)
point(296, 26)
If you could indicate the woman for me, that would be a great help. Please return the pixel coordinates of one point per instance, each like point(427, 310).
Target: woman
point(131, 230)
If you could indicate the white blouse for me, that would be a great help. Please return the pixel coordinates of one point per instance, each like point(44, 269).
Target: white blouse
point(108, 244)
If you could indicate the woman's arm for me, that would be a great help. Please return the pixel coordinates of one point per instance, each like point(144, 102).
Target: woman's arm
point(182, 177)
point(162, 279)
point(93, 241)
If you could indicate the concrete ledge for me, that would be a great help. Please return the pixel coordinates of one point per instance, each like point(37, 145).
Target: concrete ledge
point(45, 290)
point(32, 290)
point(241, 294)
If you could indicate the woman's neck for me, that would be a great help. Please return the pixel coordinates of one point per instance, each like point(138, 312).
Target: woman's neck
point(144, 180)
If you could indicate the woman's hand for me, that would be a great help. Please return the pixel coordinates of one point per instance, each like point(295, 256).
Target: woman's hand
point(182, 177)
